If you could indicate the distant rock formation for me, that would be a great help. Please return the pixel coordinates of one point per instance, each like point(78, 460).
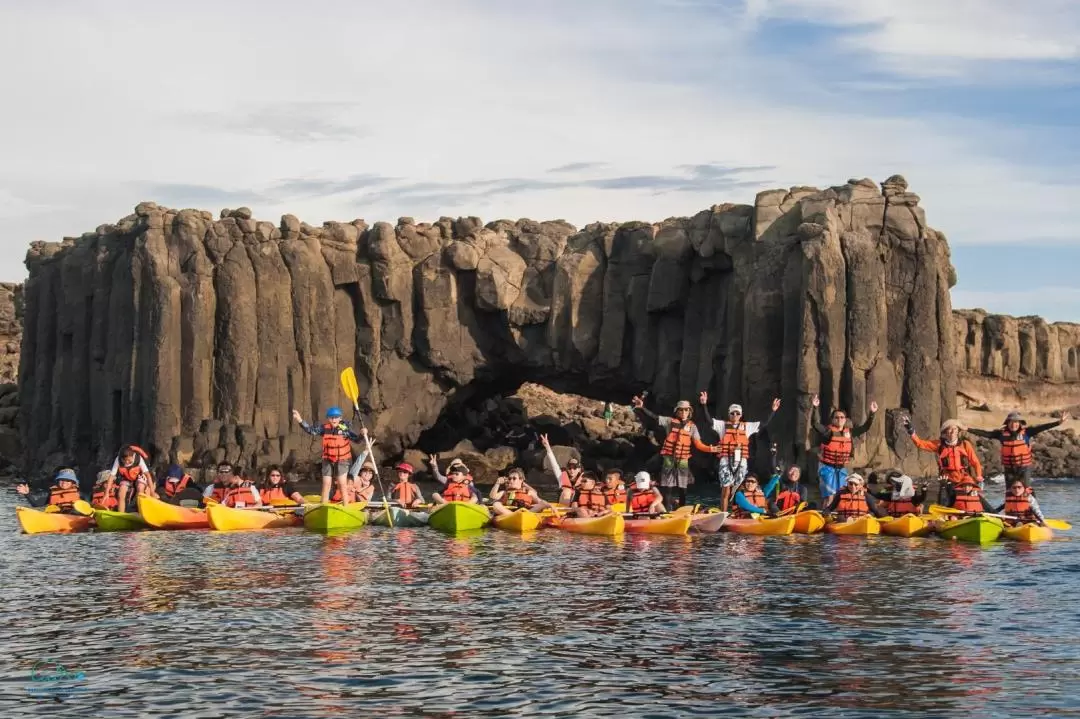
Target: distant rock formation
point(196, 336)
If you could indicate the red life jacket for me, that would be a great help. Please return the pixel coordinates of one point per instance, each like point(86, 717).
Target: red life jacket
point(756, 497)
point(966, 497)
point(407, 493)
point(105, 500)
point(1015, 450)
point(63, 498)
point(852, 504)
point(518, 499)
point(457, 492)
point(593, 500)
point(1020, 506)
point(615, 496)
point(564, 480)
point(175, 486)
point(679, 440)
point(788, 499)
point(640, 502)
point(219, 492)
point(900, 507)
point(242, 496)
point(735, 438)
point(836, 450)
point(336, 446)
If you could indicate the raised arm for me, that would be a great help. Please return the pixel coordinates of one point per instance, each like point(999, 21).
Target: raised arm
point(1032, 431)
point(865, 426)
point(987, 433)
point(815, 421)
point(552, 461)
point(433, 462)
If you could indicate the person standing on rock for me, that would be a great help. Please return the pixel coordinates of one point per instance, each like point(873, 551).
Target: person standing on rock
point(958, 463)
point(337, 438)
point(734, 447)
point(1015, 437)
point(568, 478)
point(682, 436)
point(836, 445)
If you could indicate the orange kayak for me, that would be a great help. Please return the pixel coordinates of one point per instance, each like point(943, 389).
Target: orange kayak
point(169, 516)
point(609, 525)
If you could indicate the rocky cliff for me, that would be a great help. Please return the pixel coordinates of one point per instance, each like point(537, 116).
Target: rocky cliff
point(196, 336)
point(11, 319)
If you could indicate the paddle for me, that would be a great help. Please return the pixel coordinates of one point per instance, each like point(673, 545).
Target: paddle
point(352, 391)
point(792, 510)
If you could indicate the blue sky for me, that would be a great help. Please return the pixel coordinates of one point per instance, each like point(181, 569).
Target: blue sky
point(583, 110)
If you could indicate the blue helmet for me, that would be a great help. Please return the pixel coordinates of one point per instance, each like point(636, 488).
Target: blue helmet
point(333, 412)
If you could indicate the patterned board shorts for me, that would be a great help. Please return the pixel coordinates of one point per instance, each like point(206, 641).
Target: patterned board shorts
point(675, 474)
point(731, 476)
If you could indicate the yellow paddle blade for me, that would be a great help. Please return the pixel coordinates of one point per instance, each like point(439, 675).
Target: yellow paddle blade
point(313, 498)
point(939, 509)
point(348, 383)
point(52, 509)
point(83, 507)
point(1058, 524)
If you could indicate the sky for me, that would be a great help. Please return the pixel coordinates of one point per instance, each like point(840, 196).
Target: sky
point(583, 110)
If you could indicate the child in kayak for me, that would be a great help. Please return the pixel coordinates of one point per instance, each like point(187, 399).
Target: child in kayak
point(433, 460)
point(277, 489)
point(239, 492)
point(406, 492)
point(361, 486)
point(62, 494)
point(614, 487)
point(901, 497)
point(510, 494)
point(104, 493)
point(644, 498)
point(133, 477)
point(458, 487)
point(589, 500)
point(1020, 503)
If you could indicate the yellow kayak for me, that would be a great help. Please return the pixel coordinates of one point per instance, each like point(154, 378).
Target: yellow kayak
point(761, 527)
point(169, 516)
point(1028, 533)
point(609, 525)
point(810, 521)
point(225, 519)
point(858, 527)
point(908, 525)
point(659, 525)
point(34, 521)
point(520, 521)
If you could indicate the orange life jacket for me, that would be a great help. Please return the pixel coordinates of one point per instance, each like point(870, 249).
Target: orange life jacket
point(336, 446)
point(269, 494)
point(219, 492)
point(756, 497)
point(362, 491)
point(350, 487)
point(564, 480)
point(679, 440)
point(406, 492)
point(1015, 450)
point(966, 497)
point(242, 496)
point(457, 492)
point(105, 500)
point(615, 496)
point(63, 498)
point(953, 460)
point(1019, 506)
point(518, 498)
point(640, 502)
point(900, 507)
point(852, 504)
point(130, 474)
point(735, 438)
point(836, 450)
point(788, 499)
point(593, 500)
point(175, 486)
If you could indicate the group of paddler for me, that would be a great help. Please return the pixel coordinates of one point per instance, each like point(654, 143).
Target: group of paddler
point(583, 496)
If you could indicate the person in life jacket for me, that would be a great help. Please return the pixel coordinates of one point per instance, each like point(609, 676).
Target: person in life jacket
point(1020, 503)
point(614, 487)
point(958, 463)
point(681, 436)
point(643, 497)
point(178, 485)
point(129, 470)
point(568, 478)
point(835, 446)
point(589, 500)
point(901, 496)
point(789, 492)
point(751, 498)
point(1015, 437)
point(853, 501)
point(433, 462)
point(361, 484)
point(458, 486)
point(62, 494)
point(406, 492)
point(105, 492)
point(510, 493)
point(733, 447)
point(276, 489)
point(239, 491)
point(217, 489)
point(337, 438)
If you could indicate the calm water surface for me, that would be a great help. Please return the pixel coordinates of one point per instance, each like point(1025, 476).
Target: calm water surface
point(409, 622)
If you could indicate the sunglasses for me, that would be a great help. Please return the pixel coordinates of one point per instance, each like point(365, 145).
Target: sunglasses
point(275, 474)
point(224, 471)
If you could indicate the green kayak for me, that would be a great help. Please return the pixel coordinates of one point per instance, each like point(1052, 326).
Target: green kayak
point(459, 517)
point(331, 517)
point(402, 517)
point(109, 521)
point(977, 530)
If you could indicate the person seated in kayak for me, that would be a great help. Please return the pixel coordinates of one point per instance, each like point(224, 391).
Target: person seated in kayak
point(751, 499)
point(733, 447)
point(789, 493)
point(568, 478)
point(902, 496)
point(1015, 438)
point(433, 461)
point(835, 446)
point(458, 488)
point(276, 489)
point(105, 491)
point(406, 492)
point(63, 493)
point(643, 497)
point(362, 484)
point(589, 500)
point(216, 489)
point(1020, 503)
point(337, 439)
point(681, 437)
point(178, 485)
point(853, 501)
point(510, 493)
point(239, 492)
point(133, 477)
point(958, 463)
point(614, 487)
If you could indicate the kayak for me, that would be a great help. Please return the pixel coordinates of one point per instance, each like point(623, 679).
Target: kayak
point(859, 527)
point(809, 521)
point(169, 516)
point(978, 530)
point(659, 525)
point(459, 517)
point(909, 525)
point(107, 520)
point(35, 521)
point(401, 517)
point(332, 517)
point(707, 522)
point(226, 519)
point(761, 527)
point(521, 520)
point(1028, 533)
point(609, 525)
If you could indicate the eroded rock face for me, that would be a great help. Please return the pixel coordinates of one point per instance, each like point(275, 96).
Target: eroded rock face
point(195, 337)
